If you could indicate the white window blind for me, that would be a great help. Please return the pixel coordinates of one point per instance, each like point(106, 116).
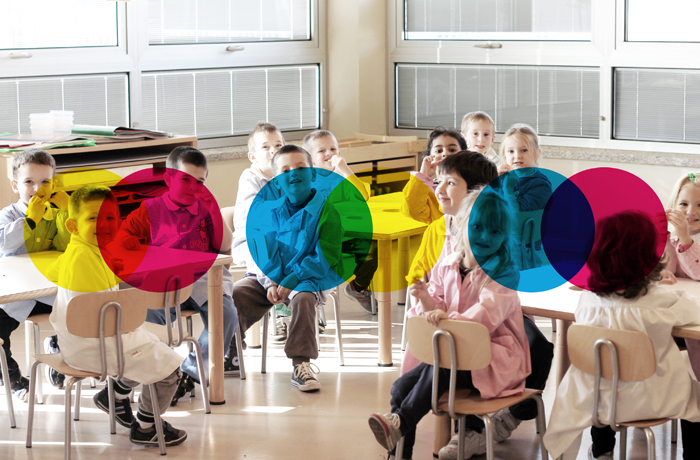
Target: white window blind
point(222, 21)
point(498, 20)
point(657, 105)
point(556, 101)
point(672, 21)
point(94, 99)
point(226, 102)
point(28, 24)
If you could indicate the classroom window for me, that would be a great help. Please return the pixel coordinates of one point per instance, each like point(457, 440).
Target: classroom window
point(497, 20)
point(94, 99)
point(226, 102)
point(672, 21)
point(556, 101)
point(31, 24)
point(657, 105)
point(224, 21)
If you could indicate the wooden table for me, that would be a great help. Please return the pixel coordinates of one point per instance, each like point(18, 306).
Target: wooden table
point(388, 225)
point(21, 280)
point(560, 304)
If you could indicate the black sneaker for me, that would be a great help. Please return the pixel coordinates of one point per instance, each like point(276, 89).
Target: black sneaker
point(20, 389)
point(54, 377)
point(184, 386)
point(149, 437)
point(122, 407)
point(303, 377)
point(231, 365)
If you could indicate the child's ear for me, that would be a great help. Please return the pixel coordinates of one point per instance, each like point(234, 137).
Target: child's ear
point(72, 226)
point(251, 156)
point(167, 178)
point(14, 186)
point(313, 174)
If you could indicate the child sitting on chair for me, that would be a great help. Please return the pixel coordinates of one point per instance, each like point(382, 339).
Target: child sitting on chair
point(625, 269)
point(94, 215)
point(36, 222)
point(460, 289)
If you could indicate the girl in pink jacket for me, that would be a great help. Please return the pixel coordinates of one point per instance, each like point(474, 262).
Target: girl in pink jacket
point(459, 289)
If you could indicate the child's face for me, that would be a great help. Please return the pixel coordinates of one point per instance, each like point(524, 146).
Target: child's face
point(450, 192)
point(444, 145)
point(30, 178)
point(479, 136)
point(266, 145)
point(185, 183)
point(96, 222)
point(484, 239)
point(689, 204)
point(519, 154)
point(295, 175)
point(322, 149)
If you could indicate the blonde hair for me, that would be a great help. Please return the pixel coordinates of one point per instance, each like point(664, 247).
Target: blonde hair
point(262, 127)
point(318, 134)
point(684, 181)
point(476, 116)
point(525, 133)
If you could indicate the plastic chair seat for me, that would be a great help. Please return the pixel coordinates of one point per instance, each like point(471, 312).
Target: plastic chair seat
point(56, 361)
point(470, 402)
point(645, 423)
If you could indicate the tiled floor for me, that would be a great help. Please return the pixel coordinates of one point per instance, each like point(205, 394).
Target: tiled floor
point(265, 418)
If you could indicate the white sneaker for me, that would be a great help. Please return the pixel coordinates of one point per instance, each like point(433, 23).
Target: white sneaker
point(386, 429)
point(606, 456)
point(303, 377)
point(279, 332)
point(474, 444)
point(364, 298)
point(504, 423)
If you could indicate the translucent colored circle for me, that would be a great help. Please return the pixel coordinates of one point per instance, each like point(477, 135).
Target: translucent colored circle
point(78, 278)
point(167, 223)
point(610, 191)
point(314, 247)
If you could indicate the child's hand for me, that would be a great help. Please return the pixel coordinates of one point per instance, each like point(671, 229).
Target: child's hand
point(131, 243)
point(37, 205)
point(435, 316)
point(117, 265)
point(503, 168)
point(680, 224)
point(340, 166)
point(667, 277)
point(272, 295)
point(419, 290)
point(430, 164)
point(282, 291)
point(60, 199)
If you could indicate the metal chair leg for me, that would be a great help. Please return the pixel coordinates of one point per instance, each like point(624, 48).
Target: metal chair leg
point(37, 351)
point(623, 443)
point(489, 437)
point(76, 409)
point(156, 416)
point(651, 444)
point(318, 334)
point(8, 392)
point(188, 326)
point(112, 413)
point(541, 425)
point(338, 332)
point(404, 337)
point(674, 430)
point(93, 384)
point(239, 346)
point(398, 453)
point(266, 322)
point(32, 393)
point(67, 414)
point(28, 341)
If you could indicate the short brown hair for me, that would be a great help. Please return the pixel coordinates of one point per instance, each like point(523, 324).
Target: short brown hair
point(33, 156)
point(262, 127)
point(288, 149)
point(88, 193)
point(476, 116)
point(186, 154)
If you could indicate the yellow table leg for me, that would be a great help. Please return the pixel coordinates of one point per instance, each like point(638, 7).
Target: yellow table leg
point(383, 292)
point(216, 335)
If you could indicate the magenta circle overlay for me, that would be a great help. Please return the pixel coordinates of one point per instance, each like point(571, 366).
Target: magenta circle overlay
point(610, 191)
point(170, 258)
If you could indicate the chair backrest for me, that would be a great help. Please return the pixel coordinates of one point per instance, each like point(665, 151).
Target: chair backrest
point(635, 352)
point(471, 339)
point(227, 215)
point(176, 284)
point(530, 230)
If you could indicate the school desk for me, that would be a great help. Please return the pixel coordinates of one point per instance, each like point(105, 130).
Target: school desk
point(560, 304)
point(21, 280)
point(388, 225)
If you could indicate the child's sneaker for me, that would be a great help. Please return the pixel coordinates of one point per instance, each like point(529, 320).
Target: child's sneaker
point(184, 386)
point(54, 377)
point(279, 332)
point(149, 437)
point(387, 429)
point(606, 456)
point(504, 423)
point(474, 444)
point(303, 377)
point(20, 389)
point(122, 407)
point(231, 365)
point(363, 297)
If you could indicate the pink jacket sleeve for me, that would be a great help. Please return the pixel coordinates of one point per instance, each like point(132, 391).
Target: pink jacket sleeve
point(685, 264)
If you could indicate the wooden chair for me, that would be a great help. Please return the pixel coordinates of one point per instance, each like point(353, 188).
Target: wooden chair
point(465, 346)
point(6, 380)
point(630, 359)
point(98, 315)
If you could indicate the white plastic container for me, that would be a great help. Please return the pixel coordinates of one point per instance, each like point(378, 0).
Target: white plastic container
point(62, 122)
point(41, 125)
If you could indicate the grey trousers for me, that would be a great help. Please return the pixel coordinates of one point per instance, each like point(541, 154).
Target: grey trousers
point(250, 298)
point(164, 388)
